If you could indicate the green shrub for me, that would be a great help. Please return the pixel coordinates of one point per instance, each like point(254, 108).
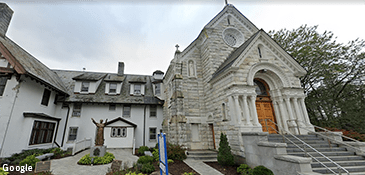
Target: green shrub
point(191, 173)
point(244, 169)
point(225, 156)
point(175, 152)
point(147, 168)
point(86, 160)
point(107, 158)
point(145, 159)
point(30, 161)
point(142, 149)
point(170, 161)
point(16, 158)
point(261, 170)
point(133, 173)
point(156, 155)
point(2, 172)
point(57, 152)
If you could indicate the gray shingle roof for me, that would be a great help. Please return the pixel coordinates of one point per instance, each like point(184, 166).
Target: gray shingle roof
point(32, 66)
point(100, 96)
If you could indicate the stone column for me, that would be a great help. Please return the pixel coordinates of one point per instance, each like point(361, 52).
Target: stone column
point(246, 111)
point(254, 116)
point(277, 111)
point(283, 114)
point(298, 112)
point(304, 111)
point(238, 111)
point(291, 115)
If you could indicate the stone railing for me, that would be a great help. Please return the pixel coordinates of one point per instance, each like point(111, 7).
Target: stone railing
point(259, 151)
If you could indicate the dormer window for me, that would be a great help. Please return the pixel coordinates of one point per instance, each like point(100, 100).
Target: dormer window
point(157, 89)
point(137, 89)
point(85, 86)
point(113, 88)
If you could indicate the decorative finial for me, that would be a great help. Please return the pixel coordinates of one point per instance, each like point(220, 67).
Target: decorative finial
point(226, 2)
point(177, 47)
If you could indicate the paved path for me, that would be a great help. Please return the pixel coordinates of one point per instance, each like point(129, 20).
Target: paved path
point(200, 167)
point(69, 165)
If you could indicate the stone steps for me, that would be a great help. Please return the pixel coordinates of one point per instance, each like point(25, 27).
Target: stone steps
point(347, 159)
point(205, 155)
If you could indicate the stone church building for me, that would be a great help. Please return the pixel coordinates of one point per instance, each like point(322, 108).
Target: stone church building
point(230, 79)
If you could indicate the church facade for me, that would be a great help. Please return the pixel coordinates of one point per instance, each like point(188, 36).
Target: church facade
point(232, 78)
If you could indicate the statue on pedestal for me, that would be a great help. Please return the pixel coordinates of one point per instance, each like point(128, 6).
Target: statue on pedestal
point(99, 139)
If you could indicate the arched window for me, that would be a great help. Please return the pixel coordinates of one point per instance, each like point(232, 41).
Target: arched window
point(260, 88)
point(260, 49)
point(224, 111)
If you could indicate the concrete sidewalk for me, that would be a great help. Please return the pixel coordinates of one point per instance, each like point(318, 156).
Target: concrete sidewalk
point(69, 165)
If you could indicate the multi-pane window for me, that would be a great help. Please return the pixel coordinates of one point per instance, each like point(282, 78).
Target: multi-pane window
point(85, 86)
point(3, 81)
point(112, 107)
point(153, 111)
point(126, 111)
point(72, 134)
point(42, 132)
point(45, 98)
point(137, 89)
point(77, 110)
point(153, 133)
point(157, 89)
point(118, 132)
point(113, 88)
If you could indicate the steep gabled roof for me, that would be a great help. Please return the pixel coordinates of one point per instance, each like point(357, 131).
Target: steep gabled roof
point(230, 8)
point(123, 120)
point(234, 55)
point(25, 64)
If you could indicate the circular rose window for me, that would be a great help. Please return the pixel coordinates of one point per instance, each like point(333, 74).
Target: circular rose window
point(233, 37)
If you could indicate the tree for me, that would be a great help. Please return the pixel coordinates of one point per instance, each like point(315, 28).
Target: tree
point(225, 156)
point(335, 74)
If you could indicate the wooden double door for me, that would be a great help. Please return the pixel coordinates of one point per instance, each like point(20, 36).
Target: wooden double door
point(265, 111)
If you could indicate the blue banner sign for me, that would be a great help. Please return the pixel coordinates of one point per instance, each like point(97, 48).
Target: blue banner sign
point(163, 153)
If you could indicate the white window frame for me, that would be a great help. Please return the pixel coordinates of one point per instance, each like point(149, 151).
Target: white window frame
point(153, 108)
point(85, 86)
point(72, 132)
point(110, 88)
point(76, 112)
point(150, 134)
point(118, 132)
point(130, 109)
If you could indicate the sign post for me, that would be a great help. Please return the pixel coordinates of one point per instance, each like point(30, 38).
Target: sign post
point(163, 153)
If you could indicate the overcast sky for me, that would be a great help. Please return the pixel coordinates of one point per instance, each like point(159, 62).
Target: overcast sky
point(96, 35)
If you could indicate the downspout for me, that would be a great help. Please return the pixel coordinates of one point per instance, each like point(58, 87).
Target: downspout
point(64, 130)
point(55, 136)
point(11, 114)
point(144, 126)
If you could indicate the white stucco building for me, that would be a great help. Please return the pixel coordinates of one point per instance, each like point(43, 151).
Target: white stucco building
point(43, 108)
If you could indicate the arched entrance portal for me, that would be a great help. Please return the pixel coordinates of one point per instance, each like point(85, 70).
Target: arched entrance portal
point(264, 107)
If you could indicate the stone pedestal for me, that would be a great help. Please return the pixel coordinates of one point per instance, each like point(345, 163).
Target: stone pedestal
point(97, 151)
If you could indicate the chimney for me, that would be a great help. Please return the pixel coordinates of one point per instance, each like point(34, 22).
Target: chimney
point(121, 69)
point(5, 16)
